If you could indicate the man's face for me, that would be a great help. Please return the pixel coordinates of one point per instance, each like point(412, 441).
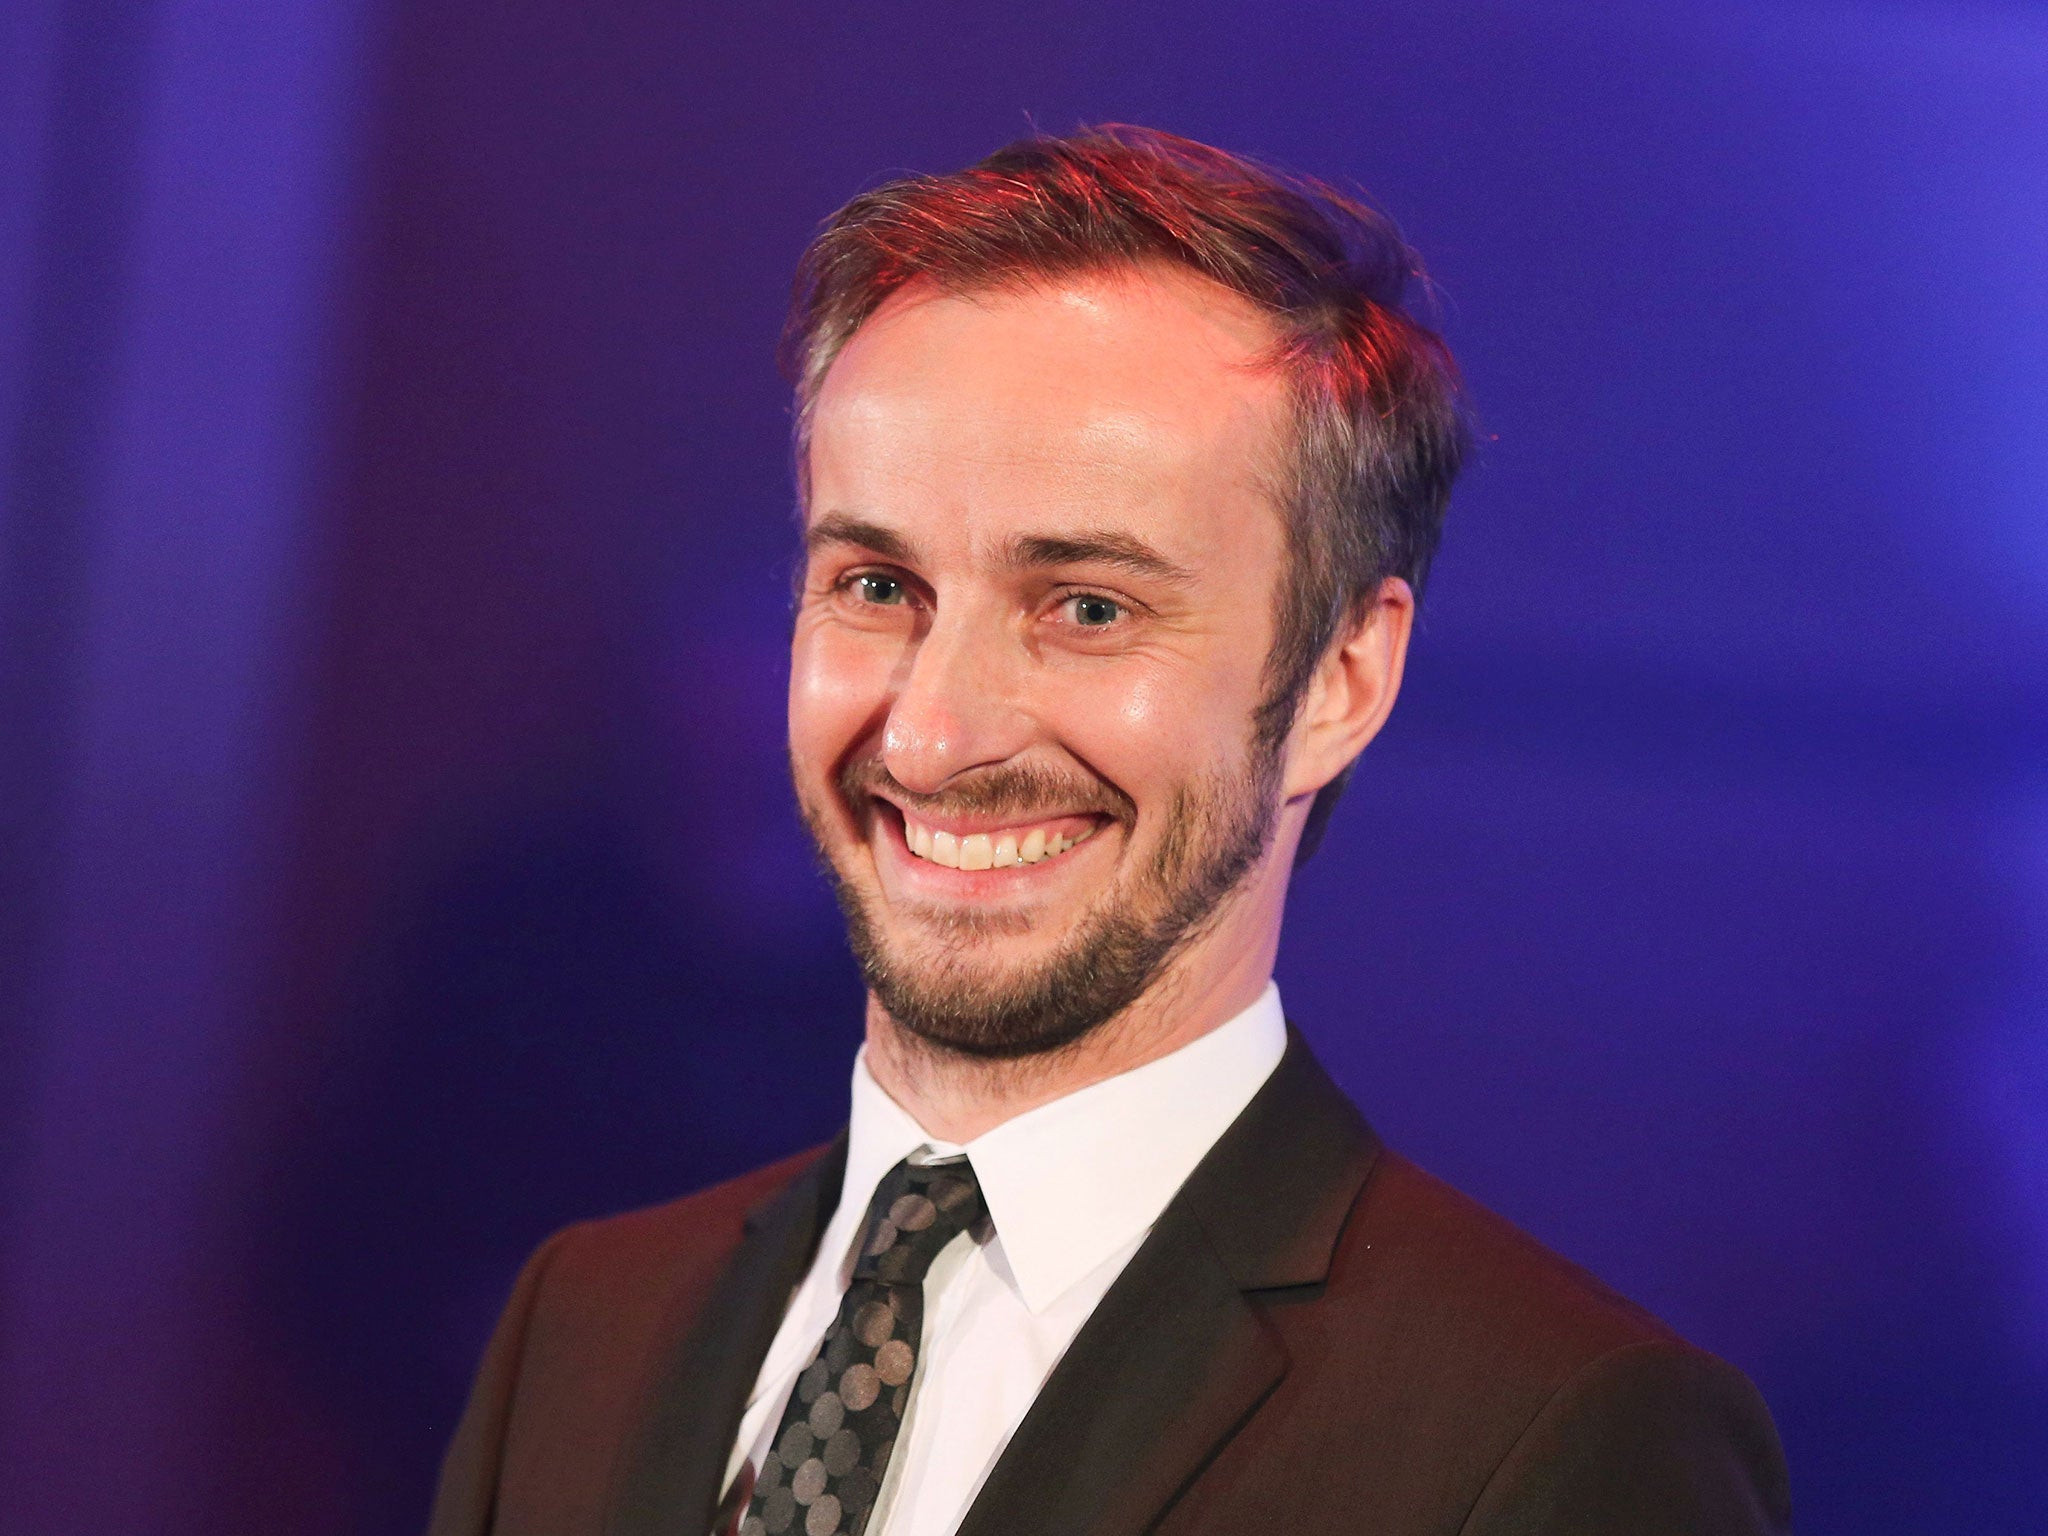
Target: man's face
point(1043, 558)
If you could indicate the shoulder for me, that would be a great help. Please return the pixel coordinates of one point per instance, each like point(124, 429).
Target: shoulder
point(1518, 1377)
point(568, 1371)
point(592, 1303)
point(1475, 1278)
point(635, 1257)
point(1478, 1320)
point(1655, 1434)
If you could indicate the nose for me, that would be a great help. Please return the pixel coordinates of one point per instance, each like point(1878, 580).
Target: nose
point(958, 702)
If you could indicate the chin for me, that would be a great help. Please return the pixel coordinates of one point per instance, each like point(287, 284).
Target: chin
point(1001, 962)
point(995, 995)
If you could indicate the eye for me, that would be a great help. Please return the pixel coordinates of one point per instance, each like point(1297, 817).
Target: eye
point(879, 588)
point(1092, 611)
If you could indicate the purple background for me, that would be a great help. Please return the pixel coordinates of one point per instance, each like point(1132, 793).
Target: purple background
point(398, 858)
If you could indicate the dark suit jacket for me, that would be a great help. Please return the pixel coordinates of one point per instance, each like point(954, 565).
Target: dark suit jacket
point(1316, 1336)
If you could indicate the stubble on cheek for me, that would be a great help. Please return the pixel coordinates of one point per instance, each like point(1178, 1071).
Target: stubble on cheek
point(948, 993)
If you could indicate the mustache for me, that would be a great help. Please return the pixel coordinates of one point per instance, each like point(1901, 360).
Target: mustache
point(1027, 793)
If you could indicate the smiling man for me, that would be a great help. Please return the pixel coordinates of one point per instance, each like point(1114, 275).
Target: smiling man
point(1121, 466)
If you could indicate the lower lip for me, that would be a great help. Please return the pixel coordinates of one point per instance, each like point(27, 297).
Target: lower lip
point(969, 883)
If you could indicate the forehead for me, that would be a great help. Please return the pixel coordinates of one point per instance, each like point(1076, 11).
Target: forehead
point(1145, 398)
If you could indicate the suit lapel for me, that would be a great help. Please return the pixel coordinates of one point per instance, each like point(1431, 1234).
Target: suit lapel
point(668, 1482)
point(1171, 1361)
point(1178, 1356)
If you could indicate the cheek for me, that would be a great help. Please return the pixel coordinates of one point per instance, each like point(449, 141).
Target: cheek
point(838, 685)
point(1149, 729)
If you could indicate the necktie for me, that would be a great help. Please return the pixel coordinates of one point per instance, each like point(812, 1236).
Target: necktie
point(823, 1473)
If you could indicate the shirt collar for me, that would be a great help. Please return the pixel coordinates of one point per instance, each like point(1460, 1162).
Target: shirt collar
point(1070, 1183)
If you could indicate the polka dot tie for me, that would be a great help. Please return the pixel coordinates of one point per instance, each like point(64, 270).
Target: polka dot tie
point(824, 1471)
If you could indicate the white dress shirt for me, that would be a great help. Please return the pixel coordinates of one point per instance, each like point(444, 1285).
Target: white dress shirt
point(1072, 1187)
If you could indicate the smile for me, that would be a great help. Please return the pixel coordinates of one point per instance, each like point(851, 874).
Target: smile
point(1002, 849)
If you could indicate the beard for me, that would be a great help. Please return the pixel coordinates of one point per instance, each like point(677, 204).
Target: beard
point(1218, 830)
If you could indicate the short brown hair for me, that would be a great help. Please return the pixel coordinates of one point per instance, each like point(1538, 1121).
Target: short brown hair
point(1380, 426)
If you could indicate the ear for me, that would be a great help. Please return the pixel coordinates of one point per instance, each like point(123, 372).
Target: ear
point(1352, 691)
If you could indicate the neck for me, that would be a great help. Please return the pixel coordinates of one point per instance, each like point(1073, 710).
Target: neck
point(957, 1097)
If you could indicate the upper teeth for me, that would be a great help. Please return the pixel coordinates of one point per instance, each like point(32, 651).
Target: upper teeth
point(986, 850)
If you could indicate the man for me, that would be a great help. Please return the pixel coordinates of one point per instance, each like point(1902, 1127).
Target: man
point(1121, 468)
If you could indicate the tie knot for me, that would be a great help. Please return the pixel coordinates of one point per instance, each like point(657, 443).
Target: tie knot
point(918, 1208)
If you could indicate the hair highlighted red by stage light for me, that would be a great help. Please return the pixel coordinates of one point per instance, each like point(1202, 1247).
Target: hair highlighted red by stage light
point(1380, 428)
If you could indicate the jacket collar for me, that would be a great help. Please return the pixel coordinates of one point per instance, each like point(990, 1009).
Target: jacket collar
point(1085, 1176)
point(1178, 1356)
point(1273, 1195)
point(668, 1477)
point(1174, 1360)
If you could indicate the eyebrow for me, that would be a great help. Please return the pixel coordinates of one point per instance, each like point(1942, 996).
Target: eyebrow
point(838, 528)
point(1024, 552)
point(1122, 550)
